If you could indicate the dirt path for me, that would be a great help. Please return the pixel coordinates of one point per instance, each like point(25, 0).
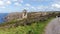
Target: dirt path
point(53, 27)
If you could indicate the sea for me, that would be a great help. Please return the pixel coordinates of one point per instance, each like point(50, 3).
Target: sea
point(2, 15)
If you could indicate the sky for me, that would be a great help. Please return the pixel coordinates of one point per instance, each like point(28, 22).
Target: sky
point(7, 6)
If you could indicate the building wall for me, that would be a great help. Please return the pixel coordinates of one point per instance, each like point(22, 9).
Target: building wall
point(24, 14)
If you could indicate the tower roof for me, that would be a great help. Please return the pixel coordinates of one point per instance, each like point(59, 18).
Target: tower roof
point(24, 10)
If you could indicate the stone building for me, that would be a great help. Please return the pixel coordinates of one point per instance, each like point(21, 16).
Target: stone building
point(23, 15)
point(16, 16)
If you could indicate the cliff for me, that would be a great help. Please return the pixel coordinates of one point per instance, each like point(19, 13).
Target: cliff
point(33, 17)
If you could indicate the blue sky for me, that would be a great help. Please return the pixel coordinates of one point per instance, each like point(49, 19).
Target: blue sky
point(7, 6)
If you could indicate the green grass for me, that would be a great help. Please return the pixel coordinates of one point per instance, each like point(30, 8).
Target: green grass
point(35, 28)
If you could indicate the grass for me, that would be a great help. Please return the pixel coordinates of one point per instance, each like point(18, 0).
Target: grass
point(35, 28)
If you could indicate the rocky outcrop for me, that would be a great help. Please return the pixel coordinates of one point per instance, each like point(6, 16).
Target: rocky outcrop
point(14, 21)
point(16, 16)
point(20, 15)
point(13, 16)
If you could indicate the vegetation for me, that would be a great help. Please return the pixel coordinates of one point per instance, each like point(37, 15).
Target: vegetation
point(34, 28)
point(30, 26)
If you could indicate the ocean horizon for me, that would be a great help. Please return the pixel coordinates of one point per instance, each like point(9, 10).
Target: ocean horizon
point(2, 15)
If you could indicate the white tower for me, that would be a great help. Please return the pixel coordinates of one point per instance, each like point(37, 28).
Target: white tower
point(24, 15)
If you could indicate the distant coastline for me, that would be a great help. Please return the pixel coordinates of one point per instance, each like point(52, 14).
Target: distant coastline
point(2, 15)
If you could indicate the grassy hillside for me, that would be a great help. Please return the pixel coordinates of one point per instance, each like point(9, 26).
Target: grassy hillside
point(34, 28)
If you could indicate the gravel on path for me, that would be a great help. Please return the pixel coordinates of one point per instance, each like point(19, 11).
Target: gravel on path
point(53, 27)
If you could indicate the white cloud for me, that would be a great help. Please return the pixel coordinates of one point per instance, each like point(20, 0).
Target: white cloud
point(3, 7)
point(34, 8)
point(40, 0)
point(15, 0)
point(27, 5)
point(8, 2)
point(56, 5)
point(1, 3)
point(21, 1)
point(26, 8)
point(17, 4)
point(42, 8)
point(39, 7)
